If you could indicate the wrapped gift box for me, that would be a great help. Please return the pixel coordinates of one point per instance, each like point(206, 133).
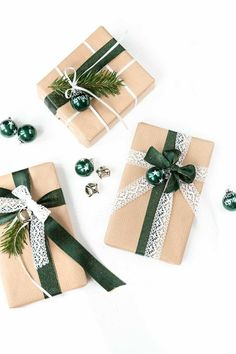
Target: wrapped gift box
point(19, 289)
point(144, 224)
point(85, 125)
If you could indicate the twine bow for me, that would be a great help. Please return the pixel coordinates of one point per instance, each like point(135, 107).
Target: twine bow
point(74, 89)
point(39, 214)
point(168, 162)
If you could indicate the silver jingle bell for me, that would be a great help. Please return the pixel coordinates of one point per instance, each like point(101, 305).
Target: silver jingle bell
point(24, 216)
point(103, 171)
point(91, 189)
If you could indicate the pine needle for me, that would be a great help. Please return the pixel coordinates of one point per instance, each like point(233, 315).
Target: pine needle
point(12, 241)
point(101, 83)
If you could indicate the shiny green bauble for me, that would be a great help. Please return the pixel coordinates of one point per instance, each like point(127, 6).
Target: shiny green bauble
point(80, 102)
point(27, 133)
point(229, 201)
point(155, 176)
point(8, 128)
point(84, 167)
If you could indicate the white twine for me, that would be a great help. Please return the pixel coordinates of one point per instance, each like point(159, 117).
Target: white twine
point(121, 71)
point(74, 88)
point(23, 266)
point(37, 237)
point(109, 51)
point(100, 118)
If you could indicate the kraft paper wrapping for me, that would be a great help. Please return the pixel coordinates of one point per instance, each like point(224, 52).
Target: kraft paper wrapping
point(86, 127)
point(19, 289)
point(126, 223)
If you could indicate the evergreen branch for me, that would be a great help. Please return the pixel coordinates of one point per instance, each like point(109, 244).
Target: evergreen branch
point(101, 83)
point(12, 240)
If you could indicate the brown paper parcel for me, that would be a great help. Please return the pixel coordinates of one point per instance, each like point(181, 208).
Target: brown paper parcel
point(126, 223)
point(19, 289)
point(86, 126)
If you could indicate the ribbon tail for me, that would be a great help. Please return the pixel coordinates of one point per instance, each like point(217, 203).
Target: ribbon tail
point(79, 254)
point(131, 192)
point(191, 195)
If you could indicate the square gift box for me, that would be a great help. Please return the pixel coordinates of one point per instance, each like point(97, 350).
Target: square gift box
point(159, 193)
point(88, 126)
point(51, 261)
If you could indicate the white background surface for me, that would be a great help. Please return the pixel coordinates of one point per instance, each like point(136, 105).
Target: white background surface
point(189, 46)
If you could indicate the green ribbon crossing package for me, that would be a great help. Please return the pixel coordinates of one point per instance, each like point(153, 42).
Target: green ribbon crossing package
point(159, 193)
point(99, 51)
point(52, 256)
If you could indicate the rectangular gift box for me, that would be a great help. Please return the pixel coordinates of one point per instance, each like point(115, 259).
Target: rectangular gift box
point(85, 125)
point(19, 289)
point(161, 233)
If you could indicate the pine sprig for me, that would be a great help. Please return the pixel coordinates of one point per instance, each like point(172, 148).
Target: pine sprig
point(101, 83)
point(12, 241)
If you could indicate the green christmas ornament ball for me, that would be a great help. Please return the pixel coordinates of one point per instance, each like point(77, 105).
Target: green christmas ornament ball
point(27, 133)
point(80, 102)
point(229, 200)
point(84, 167)
point(8, 128)
point(155, 176)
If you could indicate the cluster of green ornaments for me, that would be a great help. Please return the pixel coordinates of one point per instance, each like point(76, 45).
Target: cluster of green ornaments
point(84, 168)
point(26, 133)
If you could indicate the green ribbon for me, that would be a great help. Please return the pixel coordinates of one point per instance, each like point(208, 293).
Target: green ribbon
point(54, 231)
point(167, 160)
point(54, 100)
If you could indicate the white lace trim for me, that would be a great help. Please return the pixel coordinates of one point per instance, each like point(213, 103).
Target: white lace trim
point(191, 195)
point(136, 158)
point(38, 242)
point(159, 226)
point(201, 173)
point(182, 144)
point(10, 205)
point(131, 192)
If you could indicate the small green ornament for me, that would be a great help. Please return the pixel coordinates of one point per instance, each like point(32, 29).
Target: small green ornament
point(80, 102)
point(84, 167)
point(229, 200)
point(8, 128)
point(27, 133)
point(155, 176)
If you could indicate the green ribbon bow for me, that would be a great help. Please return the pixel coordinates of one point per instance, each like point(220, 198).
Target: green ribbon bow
point(167, 163)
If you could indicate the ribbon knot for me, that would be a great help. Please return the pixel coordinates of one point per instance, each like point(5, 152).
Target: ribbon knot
point(39, 211)
point(73, 82)
point(168, 162)
point(75, 89)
